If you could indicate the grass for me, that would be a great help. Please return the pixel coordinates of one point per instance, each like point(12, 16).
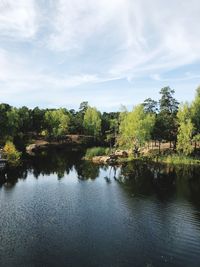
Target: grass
point(177, 159)
point(173, 159)
point(96, 151)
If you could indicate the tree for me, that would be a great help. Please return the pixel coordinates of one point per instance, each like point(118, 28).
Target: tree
point(25, 122)
point(83, 107)
point(195, 110)
point(135, 127)
point(167, 102)
point(92, 122)
point(4, 109)
point(185, 130)
point(12, 155)
point(150, 105)
point(38, 120)
point(110, 127)
point(76, 119)
point(112, 132)
point(57, 122)
point(12, 122)
point(166, 126)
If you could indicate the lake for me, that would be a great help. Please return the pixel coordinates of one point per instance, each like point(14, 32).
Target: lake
point(57, 210)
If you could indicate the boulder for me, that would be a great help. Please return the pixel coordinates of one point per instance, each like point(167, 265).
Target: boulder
point(121, 153)
point(101, 159)
point(31, 148)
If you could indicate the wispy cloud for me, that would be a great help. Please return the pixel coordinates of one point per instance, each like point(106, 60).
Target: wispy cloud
point(58, 45)
point(18, 19)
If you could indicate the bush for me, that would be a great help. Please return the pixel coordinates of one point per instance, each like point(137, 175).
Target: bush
point(96, 151)
point(12, 154)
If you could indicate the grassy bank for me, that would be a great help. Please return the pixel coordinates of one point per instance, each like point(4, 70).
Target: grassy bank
point(177, 160)
point(96, 151)
point(174, 159)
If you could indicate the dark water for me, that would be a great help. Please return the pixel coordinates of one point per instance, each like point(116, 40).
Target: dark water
point(57, 210)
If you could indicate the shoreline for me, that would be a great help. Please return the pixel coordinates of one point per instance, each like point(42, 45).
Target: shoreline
point(172, 159)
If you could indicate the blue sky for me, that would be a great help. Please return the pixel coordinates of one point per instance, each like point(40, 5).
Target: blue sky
point(58, 53)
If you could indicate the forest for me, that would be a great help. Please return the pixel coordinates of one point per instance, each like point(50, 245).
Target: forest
point(164, 120)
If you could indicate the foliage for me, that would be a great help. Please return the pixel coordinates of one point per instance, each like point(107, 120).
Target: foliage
point(92, 122)
point(37, 120)
point(196, 138)
point(12, 121)
point(83, 107)
point(184, 138)
point(167, 102)
point(12, 155)
point(24, 120)
point(8, 121)
point(150, 105)
point(195, 111)
point(110, 127)
point(56, 122)
point(135, 127)
point(155, 120)
point(96, 151)
point(166, 125)
point(185, 130)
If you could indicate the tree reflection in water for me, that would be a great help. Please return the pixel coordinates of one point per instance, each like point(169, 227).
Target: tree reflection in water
point(138, 177)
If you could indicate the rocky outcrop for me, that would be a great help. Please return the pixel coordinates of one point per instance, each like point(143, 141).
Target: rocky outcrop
point(111, 159)
point(121, 153)
point(101, 159)
point(30, 149)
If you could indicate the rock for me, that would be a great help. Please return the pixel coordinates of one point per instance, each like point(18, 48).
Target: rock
point(36, 146)
point(112, 159)
point(101, 159)
point(121, 153)
point(31, 148)
point(113, 156)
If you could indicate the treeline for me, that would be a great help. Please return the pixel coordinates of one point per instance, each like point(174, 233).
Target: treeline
point(165, 119)
point(18, 123)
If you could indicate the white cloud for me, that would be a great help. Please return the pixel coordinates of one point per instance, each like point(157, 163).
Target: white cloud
point(79, 42)
point(145, 35)
point(75, 22)
point(18, 18)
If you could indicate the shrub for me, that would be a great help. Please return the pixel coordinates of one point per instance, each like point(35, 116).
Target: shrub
point(12, 154)
point(96, 151)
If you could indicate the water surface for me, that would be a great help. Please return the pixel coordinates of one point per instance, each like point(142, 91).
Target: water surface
point(57, 210)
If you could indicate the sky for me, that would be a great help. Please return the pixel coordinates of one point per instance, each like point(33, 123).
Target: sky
point(58, 53)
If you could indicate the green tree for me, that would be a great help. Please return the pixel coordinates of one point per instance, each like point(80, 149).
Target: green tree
point(110, 127)
point(25, 121)
point(4, 129)
point(195, 110)
point(92, 122)
point(167, 101)
point(12, 155)
point(135, 127)
point(185, 130)
point(38, 120)
point(12, 122)
point(166, 125)
point(83, 107)
point(57, 122)
point(150, 105)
